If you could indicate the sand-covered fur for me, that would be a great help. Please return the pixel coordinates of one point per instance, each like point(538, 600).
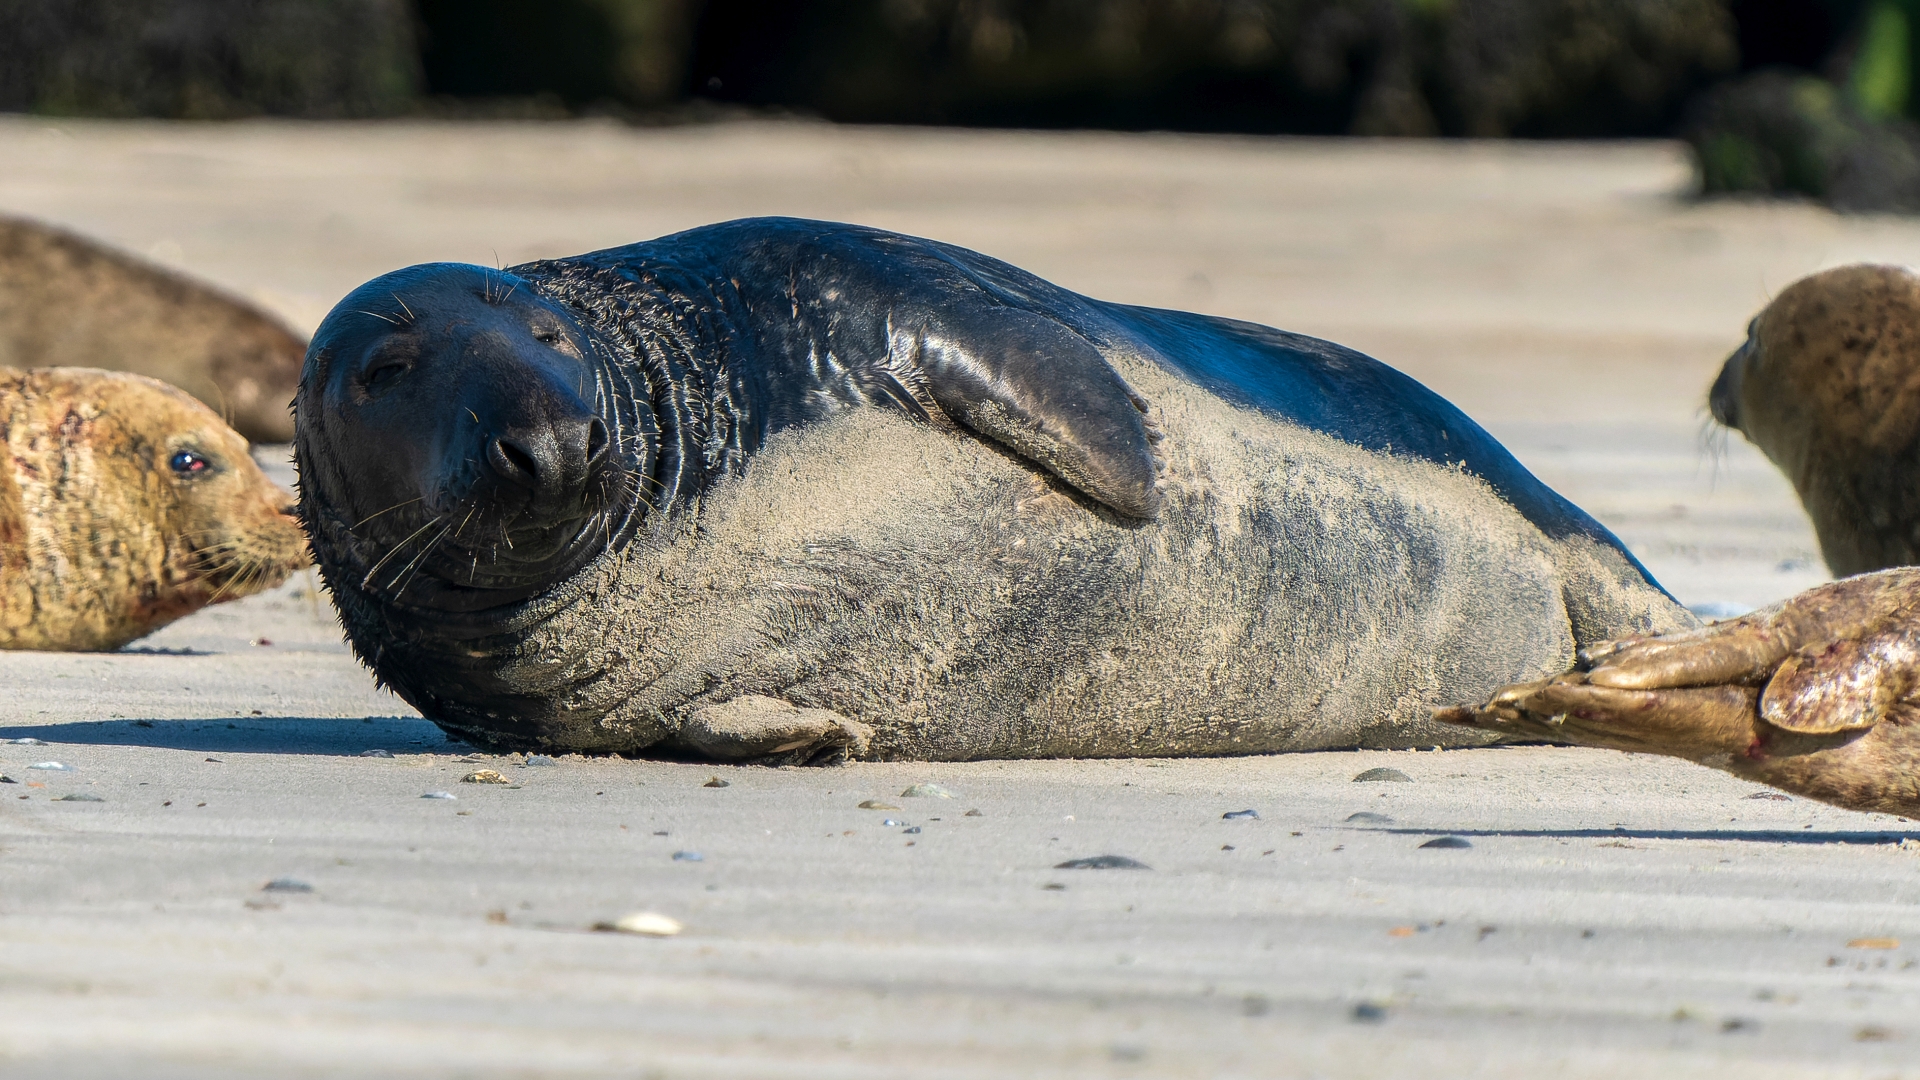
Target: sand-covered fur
point(68, 301)
point(1828, 387)
point(1295, 593)
point(125, 504)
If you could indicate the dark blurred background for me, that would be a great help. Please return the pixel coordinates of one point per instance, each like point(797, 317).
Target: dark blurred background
point(1811, 97)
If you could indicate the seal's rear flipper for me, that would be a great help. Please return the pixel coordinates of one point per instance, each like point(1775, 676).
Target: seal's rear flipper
point(1029, 382)
point(752, 726)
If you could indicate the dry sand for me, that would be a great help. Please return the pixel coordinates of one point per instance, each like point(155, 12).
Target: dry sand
point(1614, 916)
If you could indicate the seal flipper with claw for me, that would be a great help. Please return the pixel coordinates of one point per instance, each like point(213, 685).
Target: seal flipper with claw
point(1819, 695)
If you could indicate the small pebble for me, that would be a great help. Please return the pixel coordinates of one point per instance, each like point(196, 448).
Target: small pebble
point(484, 776)
point(50, 766)
point(375, 753)
point(910, 829)
point(439, 795)
point(973, 813)
point(1872, 1033)
point(1447, 842)
point(716, 782)
point(926, 791)
point(1103, 862)
point(1240, 815)
point(216, 761)
point(1770, 795)
point(643, 923)
point(1365, 817)
point(1874, 943)
point(872, 804)
point(688, 856)
point(286, 884)
point(24, 742)
point(1390, 775)
point(540, 759)
point(8, 780)
point(79, 797)
point(1368, 1013)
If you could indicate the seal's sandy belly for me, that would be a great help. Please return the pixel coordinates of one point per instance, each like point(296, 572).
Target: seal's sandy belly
point(1296, 593)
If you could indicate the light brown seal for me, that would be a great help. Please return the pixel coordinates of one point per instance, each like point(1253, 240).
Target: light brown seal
point(1819, 695)
point(68, 301)
point(125, 504)
point(1828, 387)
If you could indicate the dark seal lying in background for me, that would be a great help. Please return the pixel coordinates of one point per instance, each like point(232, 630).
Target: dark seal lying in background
point(781, 489)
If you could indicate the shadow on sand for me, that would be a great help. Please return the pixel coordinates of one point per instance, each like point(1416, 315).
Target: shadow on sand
point(1748, 836)
point(344, 737)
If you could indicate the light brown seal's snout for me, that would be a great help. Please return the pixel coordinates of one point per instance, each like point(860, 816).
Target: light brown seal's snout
point(124, 505)
point(1723, 400)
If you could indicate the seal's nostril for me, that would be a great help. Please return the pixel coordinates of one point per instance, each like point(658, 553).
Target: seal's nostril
point(513, 463)
point(597, 442)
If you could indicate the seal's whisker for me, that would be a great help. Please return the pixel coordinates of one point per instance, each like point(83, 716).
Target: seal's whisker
point(383, 318)
point(388, 510)
point(395, 550)
point(413, 567)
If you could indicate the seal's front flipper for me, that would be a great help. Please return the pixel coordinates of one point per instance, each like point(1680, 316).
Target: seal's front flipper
point(1024, 380)
point(752, 726)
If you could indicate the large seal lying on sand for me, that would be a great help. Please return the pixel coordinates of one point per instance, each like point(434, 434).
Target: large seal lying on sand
point(776, 489)
point(125, 504)
point(1828, 387)
point(65, 300)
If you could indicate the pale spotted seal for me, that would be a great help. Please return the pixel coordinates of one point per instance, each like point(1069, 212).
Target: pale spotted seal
point(68, 301)
point(1828, 387)
point(775, 489)
point(125, 504)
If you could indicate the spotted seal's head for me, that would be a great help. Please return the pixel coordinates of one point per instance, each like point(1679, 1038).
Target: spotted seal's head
point(1827, 385)
point(124, 505)
point(459, 448)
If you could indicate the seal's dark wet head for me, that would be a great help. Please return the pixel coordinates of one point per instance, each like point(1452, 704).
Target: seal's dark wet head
point(450, 417)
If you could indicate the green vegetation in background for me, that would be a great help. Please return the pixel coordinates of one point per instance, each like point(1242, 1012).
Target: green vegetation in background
point(1881, 76)
point(586, 53)
point(202, 59)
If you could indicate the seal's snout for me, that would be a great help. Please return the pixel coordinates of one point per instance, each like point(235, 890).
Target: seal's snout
point(1724, 399)
point(548, 455)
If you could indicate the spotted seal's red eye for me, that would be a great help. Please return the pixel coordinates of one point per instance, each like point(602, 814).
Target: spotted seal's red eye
point(188, 462)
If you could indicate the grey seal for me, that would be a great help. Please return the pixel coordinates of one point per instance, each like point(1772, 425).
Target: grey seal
point(786, 490)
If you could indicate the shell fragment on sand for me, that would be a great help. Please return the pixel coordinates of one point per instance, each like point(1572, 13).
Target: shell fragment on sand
point(484, 776)
point(1394, 776)
point(643, 924)
point(439, 795)
point(876, 804)
point(926, 791)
